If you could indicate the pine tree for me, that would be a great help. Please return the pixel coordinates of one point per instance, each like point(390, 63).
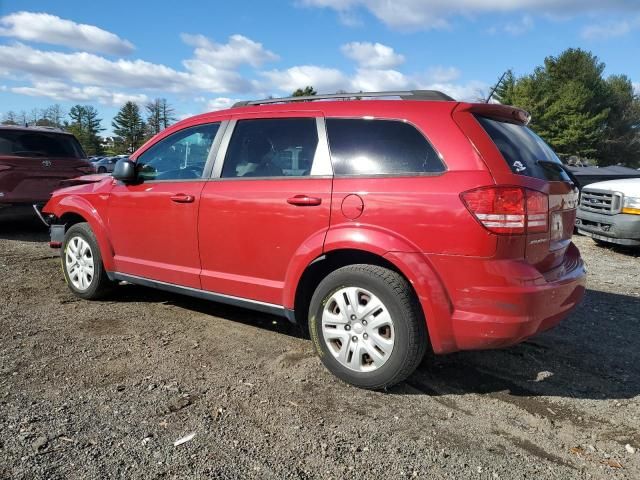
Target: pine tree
point(85, 125)
point(307, 91)
point(128, 125)
point(579, 112)
point(160, 115)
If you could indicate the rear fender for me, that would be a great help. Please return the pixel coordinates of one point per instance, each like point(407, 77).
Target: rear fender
point(414, 265)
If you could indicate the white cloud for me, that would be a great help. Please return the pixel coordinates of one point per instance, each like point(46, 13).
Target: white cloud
point(45, 28)
point(428, 14)
point(636, 87)
point(371, 80)
point(321, 78)
point(220, 103)
point(90, 69)
point(610, 29)
point(238, 51)
point(372, 55)
point(60, 91)
point(441, 74)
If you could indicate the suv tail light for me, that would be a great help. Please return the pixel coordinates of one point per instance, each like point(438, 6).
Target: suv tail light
point(508, 210)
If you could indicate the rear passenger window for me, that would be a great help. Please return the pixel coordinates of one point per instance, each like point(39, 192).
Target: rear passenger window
point(379, 147)
point(276, 147)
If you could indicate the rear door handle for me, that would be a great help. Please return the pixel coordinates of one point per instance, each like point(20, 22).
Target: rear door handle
point(182, 198)
point(304, 201)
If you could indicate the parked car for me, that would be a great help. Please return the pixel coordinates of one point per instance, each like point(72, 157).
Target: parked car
point(386, 226)
point(609, 212)
point(33, 162)
point(106, 164)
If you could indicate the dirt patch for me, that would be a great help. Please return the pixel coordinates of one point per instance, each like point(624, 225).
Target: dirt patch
point(104, 389)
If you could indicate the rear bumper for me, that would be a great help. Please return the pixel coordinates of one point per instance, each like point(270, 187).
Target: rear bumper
point(498, 303)
point(622, 228)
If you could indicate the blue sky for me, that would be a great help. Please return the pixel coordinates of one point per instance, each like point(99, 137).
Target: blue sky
point(203, 55)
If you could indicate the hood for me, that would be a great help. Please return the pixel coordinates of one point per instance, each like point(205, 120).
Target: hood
point(84, 179)
point(629, 187)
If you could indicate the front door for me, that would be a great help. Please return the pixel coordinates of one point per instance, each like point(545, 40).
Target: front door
point(153, 223)
point(271, 195)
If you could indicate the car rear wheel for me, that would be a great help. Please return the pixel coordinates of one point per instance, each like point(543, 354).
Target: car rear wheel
point(102, 170)
point(367, 326)
point(82, 263)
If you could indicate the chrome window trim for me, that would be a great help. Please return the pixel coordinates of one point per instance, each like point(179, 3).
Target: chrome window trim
point(321, 165)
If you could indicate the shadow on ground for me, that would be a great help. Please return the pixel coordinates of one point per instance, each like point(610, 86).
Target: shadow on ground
point(23, 225)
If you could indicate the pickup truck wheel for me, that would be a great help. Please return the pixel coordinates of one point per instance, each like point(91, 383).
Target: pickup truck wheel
point(367, 326)
point(82, 263)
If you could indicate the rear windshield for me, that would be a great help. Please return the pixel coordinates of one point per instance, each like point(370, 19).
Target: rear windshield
point(524, 151)
point(39, 144)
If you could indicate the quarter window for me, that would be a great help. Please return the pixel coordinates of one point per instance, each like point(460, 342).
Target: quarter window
point(379, 147)
point(277, 147)
point(181, 156)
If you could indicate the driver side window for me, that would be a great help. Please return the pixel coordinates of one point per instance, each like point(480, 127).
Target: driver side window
point(181, 156)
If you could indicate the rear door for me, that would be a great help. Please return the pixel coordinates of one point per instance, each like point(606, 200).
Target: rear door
point(271, 193)
point(153, 223)
point(33, 162)
point(532, 163)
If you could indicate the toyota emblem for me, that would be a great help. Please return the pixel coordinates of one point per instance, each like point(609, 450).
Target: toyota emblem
point(46, 163)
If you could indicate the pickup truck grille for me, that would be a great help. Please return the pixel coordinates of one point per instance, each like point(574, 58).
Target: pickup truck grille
point(600, 201)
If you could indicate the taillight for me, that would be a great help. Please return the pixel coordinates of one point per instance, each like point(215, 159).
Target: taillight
point(5, 167)
point(86, 170)
point(508, 210)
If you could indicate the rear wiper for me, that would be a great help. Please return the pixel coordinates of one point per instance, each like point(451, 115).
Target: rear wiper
point(562, 168)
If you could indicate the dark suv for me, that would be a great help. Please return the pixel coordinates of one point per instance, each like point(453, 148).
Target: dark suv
point(386, 226)
point(33, 162)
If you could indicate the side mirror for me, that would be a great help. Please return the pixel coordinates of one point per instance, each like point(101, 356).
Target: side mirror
point(125, 171)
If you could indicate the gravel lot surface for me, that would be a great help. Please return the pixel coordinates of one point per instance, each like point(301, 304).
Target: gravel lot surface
point(104, 389)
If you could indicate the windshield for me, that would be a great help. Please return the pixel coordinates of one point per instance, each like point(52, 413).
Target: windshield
point(524, 151)
point(22, 143)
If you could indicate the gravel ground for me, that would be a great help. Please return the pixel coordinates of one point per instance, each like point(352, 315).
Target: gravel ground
point(103, 389)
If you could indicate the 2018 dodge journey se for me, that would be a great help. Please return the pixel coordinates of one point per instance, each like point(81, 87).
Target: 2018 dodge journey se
point(386, 225)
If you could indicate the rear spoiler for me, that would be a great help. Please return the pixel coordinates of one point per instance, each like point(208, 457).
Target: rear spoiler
point(504, 113)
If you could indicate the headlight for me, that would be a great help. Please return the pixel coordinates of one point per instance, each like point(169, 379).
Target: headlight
point(631, 205)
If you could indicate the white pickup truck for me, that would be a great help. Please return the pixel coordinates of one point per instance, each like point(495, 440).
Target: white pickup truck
point(610, 211)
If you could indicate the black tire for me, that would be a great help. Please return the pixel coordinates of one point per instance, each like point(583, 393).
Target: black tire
point(99, 285)
point(102, 170)
point(408, 323)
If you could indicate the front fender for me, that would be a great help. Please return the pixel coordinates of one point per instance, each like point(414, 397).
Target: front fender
point(78, 205)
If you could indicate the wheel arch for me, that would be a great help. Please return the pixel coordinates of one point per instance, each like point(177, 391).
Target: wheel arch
point(74, 209)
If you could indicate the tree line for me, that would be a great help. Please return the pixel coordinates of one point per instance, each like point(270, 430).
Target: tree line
point(130, 129)
point(578, 110)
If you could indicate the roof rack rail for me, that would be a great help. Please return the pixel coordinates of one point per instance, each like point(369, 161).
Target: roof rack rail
point(404, 95)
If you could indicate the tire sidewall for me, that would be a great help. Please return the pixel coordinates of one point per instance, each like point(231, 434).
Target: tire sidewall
point(83, 231)
point(379, 288)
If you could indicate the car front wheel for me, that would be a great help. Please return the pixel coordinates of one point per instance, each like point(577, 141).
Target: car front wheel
point(367, 326)
point(82, 263)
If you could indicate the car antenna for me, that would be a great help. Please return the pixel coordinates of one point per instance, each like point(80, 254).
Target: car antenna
point(495, 87)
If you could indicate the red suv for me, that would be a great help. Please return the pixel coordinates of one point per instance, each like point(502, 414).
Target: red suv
point(33, 162)
point(386, 226)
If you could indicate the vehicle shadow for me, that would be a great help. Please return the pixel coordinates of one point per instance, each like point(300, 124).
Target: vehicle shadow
point(593, 354)
point(23, 226)
point(273, 323)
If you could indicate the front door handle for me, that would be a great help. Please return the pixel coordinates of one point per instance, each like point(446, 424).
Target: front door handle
point(182, 198)
point(304, 201)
